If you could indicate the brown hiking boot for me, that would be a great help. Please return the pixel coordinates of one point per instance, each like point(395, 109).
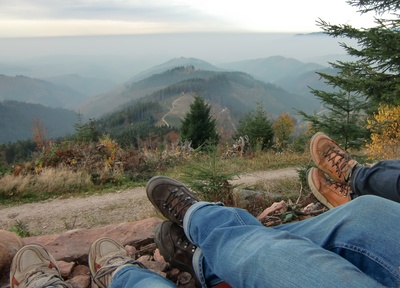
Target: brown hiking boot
point(106, 257)
point(33, 267)
point(170, 197)
point(329, 193)
point(328, 157)
point(175, 247)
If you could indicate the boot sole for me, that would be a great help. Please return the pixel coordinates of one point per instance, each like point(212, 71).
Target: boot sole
point(321, 198)
point(311, 149)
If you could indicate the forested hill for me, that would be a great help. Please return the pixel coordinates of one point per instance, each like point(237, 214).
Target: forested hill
point(17, 120)
point(235, 90)
point(133, 90)
point(238, 92)
point(26, 89)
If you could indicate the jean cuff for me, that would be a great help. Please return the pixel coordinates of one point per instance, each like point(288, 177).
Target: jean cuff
point(353, 178)
point(199, 269)
point(189, 213)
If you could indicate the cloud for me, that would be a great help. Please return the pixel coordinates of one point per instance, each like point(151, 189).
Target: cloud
point(155, 11)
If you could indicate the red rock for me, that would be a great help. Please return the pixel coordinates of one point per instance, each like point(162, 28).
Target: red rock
point(74, 245)
point(66, 268)
point(79, 281)
point(10, 243)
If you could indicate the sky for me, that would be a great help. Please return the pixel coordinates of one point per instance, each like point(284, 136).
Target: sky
point(42, 18)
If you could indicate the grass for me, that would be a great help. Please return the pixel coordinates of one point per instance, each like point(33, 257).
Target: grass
point(260, 161)
point(64, 182)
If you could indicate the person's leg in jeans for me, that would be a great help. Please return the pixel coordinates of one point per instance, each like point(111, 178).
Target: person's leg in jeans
point(340, 178)
point(172, 199)
point(240, 250)
point(382, 179)
point(340, 248)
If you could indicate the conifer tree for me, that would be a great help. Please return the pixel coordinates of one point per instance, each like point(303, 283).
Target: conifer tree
point(375, 70)
point(257, 126)
point(343, 117)
point(198, 126)
point(370, 79)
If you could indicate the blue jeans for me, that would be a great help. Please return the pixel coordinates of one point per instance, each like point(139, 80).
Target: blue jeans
point(382, 179)
point(133, 276)
point(353, 245)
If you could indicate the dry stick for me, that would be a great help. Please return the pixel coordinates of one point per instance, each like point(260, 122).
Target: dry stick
point(311, 212)
point(301, 189)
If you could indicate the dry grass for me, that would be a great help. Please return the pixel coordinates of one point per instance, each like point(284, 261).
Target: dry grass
point(50, 181)
point(55, 182)
point(259, 161)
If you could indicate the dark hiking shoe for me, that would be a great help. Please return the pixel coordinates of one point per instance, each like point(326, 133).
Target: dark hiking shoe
point(170, 197)
point(331, 159)
point(174, 246)
point(329, 193)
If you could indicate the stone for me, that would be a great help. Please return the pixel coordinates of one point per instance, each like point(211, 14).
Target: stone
point(66, 268)
point(275, 208)
point(80, 270)
point(158, 257)
point(79, 281)
point(10, 243)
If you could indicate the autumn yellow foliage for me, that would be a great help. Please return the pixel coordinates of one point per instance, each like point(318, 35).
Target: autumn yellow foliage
point(385, 133)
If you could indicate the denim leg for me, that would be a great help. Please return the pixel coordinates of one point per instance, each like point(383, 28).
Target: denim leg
point(241, 251)
point(364, 231)
point(382, 179)
point(134, 276)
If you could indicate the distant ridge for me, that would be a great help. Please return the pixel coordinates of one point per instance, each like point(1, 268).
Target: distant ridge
point(176, 62)
point(36, 91)
point(272, 69)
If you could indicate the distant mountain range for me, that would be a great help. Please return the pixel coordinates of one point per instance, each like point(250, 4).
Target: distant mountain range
point(279, 83)
point(273, 69)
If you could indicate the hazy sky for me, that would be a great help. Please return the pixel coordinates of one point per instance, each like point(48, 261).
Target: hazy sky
point(30, 18)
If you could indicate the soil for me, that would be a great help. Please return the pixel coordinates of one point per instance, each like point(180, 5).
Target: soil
point(59, 215)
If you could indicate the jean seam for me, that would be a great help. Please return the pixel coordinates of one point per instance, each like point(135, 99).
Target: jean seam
point(375, 258)
point(243, 223)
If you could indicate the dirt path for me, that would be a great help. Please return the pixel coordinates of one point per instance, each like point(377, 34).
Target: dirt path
point(59, 215)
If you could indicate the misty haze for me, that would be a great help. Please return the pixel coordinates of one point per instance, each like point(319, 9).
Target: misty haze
point(99, 75)
point(120, 57)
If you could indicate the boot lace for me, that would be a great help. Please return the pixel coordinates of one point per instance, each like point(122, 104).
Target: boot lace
point(43, 278)
point(178, 203)
point(342, 188)
point(113, 263)
point(340, 160)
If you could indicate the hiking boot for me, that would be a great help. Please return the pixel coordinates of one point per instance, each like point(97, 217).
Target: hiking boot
point(328, 157)
point(329, 193)
point(174, 246)
point(170, 197)
point(106, 257)
point(33, 266)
